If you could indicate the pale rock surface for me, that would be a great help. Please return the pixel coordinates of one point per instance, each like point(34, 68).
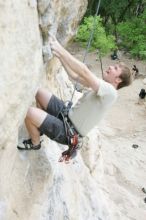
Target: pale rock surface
point(21, 64)
point(144, 81)
point(124, 167)
point(60, 18)
point(33, 185)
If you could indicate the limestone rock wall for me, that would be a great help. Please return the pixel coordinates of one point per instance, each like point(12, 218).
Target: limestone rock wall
point(21, 64)
point(33, 185)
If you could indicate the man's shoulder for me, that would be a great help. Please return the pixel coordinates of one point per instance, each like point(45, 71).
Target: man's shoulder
point(106, 89)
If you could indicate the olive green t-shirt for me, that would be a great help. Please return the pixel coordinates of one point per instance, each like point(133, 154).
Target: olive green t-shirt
point(91, 107)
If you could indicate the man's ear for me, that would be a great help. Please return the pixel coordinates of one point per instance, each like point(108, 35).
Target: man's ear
point(118, 80)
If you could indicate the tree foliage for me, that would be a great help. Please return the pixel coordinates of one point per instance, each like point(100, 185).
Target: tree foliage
point(133, 35)
point(125, 20)
point(117, 11)
point(100, 40)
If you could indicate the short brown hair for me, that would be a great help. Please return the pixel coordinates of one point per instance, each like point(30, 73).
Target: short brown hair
point(125, 76)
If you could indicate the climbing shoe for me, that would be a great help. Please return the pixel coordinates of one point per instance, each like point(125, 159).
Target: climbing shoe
point(28, 145)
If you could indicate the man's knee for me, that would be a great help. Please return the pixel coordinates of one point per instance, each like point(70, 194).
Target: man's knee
point(43, 97)
point(36, 116)
point(30, 112)
point(38, 94)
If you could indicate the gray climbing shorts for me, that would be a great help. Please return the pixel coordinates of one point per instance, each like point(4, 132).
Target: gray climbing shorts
point(53, 125)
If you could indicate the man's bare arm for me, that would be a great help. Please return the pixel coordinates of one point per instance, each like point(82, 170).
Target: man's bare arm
point(73, 75)
point(75, 65)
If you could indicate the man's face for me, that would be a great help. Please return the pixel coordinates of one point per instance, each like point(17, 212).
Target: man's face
point(112, 74)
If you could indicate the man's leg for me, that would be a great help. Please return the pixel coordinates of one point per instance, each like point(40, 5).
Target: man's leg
point(42, 98)
point(48, 102)
point(33, 120)
point(38, 121)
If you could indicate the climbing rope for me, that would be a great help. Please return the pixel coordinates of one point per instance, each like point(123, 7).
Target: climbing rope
point(88, 46)
point(92, 32)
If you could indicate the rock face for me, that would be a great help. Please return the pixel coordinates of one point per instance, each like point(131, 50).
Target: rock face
point(100, 183)
point(21, 64)
point(60, 18)
point(33, 185)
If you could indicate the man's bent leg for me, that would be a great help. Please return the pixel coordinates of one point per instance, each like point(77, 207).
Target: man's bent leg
point(33, 120)
point(49, 102)
point(43, 97)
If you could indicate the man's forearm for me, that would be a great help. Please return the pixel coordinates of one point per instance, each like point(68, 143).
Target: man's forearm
point(68, 70)
point(73, 75)
point(86, 77)
point(75, 65)
point(79, 68)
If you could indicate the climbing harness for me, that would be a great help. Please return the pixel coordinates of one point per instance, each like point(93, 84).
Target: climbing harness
point(73, 138)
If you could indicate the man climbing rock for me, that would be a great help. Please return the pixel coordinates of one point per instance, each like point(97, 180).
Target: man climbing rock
point(47, 119)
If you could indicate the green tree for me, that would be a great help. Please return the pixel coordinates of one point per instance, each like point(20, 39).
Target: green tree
point(100, 40)
point(114, 12)
point(133, 35)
